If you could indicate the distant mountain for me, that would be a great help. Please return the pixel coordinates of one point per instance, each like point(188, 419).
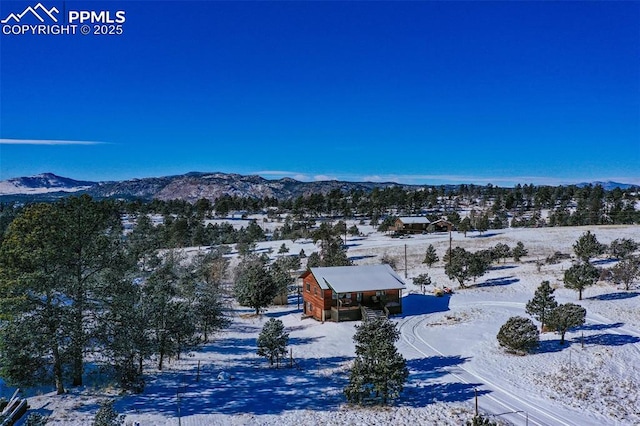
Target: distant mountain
point(42, 184)
point(196, 185)
point(608, 185)
point(189, 187)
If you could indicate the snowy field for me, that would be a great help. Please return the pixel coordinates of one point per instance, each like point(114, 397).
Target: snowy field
point(449, 343)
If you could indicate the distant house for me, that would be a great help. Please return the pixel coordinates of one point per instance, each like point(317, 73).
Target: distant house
point(442, 225)
point(410, 225)
point(344, 293)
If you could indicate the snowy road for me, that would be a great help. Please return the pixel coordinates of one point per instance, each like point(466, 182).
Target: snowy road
point(497, 395)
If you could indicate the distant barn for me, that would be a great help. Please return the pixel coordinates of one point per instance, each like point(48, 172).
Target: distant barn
point(347, 293)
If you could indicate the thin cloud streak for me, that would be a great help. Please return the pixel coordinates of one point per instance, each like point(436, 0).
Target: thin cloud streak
point(47, 142)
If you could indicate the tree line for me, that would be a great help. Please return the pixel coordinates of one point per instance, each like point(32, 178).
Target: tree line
point(72, 286)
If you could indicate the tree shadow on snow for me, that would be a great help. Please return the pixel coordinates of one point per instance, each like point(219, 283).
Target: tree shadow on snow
point(550, 346)
point(354, 258)
point(615, 296)
point(502, 267)
point(496, 282)
point(600, 326)
point(419, 304)
point(603, 261)
point(428, 393)
point(608, 339)
point(283, 313)
point(490, 234)
point(248, 388)
point(422, 388)
point(230, 346)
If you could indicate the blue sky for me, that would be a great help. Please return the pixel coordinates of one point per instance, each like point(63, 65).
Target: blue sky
point(415, 92)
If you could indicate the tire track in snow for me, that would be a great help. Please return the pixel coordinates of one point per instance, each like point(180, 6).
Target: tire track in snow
point(541, 418)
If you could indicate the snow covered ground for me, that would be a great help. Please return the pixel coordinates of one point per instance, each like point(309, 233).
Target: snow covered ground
point(449, 344)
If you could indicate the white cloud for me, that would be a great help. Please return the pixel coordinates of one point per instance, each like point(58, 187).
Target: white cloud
point(48, 142)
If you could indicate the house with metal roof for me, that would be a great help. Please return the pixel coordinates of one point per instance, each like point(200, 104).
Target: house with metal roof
point(411, 225)
point(348, 293)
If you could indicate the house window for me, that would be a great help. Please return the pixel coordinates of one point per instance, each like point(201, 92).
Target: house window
point(309, 287)
point(315, 290)
point(379, 293)
point(359, 297)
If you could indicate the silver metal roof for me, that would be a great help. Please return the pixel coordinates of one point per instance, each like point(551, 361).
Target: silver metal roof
point(415, 219)
point(351, 279)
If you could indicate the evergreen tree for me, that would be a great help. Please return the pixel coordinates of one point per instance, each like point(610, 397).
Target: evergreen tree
point(501, 251)
point(620, 248)
point(519, 251)
point(626, 271)
point(422, 280)
point(122, 327)
point(379, 371)
point(465, 226)
point(283, 249)
point(542, 304)
point(519, 335)
point(107, 415)
point(253, 284)
point(91, 247)
point(431, 256)
point(171, 320)
point(478, 420)
point(280, 275)
point(580, 276)
point(314, 260)
point(272, 341)
point(36, 419)
point(478, 263)
point(482, 223)
point(565, 317)
point(457, 266)
point(587, 246)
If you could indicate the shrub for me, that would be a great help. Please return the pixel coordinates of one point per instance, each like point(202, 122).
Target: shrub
point(519, 335)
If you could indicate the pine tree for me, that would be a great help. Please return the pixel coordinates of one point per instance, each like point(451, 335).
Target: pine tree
point(626, 271)
point(171, 320)
point(422, 280)
point(272, 341)
point(501, 251)
point(464, 226)
point(457, 266)
point(587, 246)
point(542, 304)
point(519, 251)
point(253, 285)
point(580, 276)
point(478, 420)
point(31, 278)
point(621, 248)
point(379, 371)
point(566, 316)
point(519, 335)
point(431, 256)
point(283, 249)
point(107, 415)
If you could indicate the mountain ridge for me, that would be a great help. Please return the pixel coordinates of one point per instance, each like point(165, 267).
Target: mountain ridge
point(193, 186)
